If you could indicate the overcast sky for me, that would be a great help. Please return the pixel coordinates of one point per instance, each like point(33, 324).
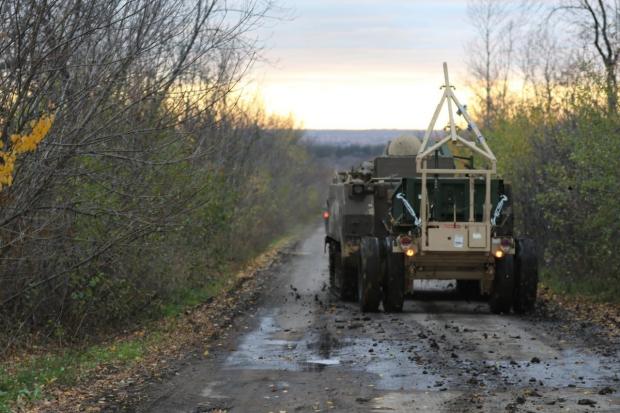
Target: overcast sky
point(360, 64)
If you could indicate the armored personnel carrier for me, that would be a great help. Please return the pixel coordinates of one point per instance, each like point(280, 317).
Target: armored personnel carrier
point(422, 212)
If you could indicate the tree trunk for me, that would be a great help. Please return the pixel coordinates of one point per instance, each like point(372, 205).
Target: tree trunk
point(612, 89)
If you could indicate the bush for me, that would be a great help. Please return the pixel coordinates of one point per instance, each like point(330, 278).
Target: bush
point(564, 168)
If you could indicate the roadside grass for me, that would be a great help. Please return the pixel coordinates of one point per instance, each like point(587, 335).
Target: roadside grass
point(26, 379)
point(190, 297)
point(594, 301)
point(596, 290)
point(23, 381)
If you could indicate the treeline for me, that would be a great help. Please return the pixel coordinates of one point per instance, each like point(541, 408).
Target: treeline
point(325, 150)
point(153, 178)
point(546, 83)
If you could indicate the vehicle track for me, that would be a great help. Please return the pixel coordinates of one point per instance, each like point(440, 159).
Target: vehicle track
point(303, 351)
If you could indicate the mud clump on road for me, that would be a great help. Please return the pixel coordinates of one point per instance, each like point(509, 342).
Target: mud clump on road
point(439, 354)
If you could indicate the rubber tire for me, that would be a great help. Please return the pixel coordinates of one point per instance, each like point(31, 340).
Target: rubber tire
point(348, 292)
point(468, 289)
point(369, 275)
point(394, 283)
point(502, 292)
point(526, 276)
point(332, 265)
point(343, 282)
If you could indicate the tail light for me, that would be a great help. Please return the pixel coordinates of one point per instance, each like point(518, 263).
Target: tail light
point(406, 244)
point(405, 241)
point(505, 245)
point(325, 215)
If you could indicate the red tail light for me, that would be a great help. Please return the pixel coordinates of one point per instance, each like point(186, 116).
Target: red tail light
point(325, 215)
point(506, 244)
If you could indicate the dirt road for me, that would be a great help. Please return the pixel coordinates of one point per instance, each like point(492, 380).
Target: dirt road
point(301, 351)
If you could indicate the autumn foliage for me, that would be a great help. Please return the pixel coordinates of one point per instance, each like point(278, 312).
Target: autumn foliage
point(21, 144)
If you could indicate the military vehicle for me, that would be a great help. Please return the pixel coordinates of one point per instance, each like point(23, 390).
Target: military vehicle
point(422, 211)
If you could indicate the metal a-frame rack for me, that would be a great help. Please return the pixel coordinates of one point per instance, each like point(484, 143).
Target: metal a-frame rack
point(479, 146)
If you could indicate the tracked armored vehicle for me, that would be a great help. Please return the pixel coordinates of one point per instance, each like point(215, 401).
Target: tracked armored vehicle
point(422, 212)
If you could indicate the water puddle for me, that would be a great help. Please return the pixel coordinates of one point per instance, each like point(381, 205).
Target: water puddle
point(258, 350)
point(326, 362)
point(318, 365)
point(393, 367)
point(421, 369)
point(570, 368)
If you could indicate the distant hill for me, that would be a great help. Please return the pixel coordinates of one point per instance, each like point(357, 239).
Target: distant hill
point(343, 137)
point(343, 149)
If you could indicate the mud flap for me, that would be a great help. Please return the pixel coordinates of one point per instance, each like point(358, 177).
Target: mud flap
point(502, 292)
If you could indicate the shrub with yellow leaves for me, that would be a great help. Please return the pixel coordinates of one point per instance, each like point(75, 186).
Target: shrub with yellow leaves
point(20, 144)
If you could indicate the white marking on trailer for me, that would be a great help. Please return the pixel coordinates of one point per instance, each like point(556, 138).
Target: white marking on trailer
point(458, 241)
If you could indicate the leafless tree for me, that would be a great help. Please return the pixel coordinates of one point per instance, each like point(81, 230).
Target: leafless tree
point(598, 22)
point(492, 54)
point(541, 63)
point(486, 61)
point(148, 132)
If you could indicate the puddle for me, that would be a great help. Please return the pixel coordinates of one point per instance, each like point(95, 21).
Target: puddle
point(389, 363)
point(258, 350)
point(571, 367)
point(396, 368)
point(318, 365)
point(326, 362)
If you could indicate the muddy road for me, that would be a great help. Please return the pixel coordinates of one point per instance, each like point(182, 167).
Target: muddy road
point(299, 350)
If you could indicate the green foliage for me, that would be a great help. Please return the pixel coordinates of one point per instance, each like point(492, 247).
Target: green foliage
point(188, 297)
point(564, 165)
point(25, 381)
point(594, 289)
point(169, 233)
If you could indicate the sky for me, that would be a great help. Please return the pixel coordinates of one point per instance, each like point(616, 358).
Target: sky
point(362, 64)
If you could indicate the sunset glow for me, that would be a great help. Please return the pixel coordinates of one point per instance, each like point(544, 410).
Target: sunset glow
point(371, 66)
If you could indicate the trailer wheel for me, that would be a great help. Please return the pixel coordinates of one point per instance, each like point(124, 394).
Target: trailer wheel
point(394, 284)
point(526, 276)
point(502, 292)
point(369, 275)
point(348, 289)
